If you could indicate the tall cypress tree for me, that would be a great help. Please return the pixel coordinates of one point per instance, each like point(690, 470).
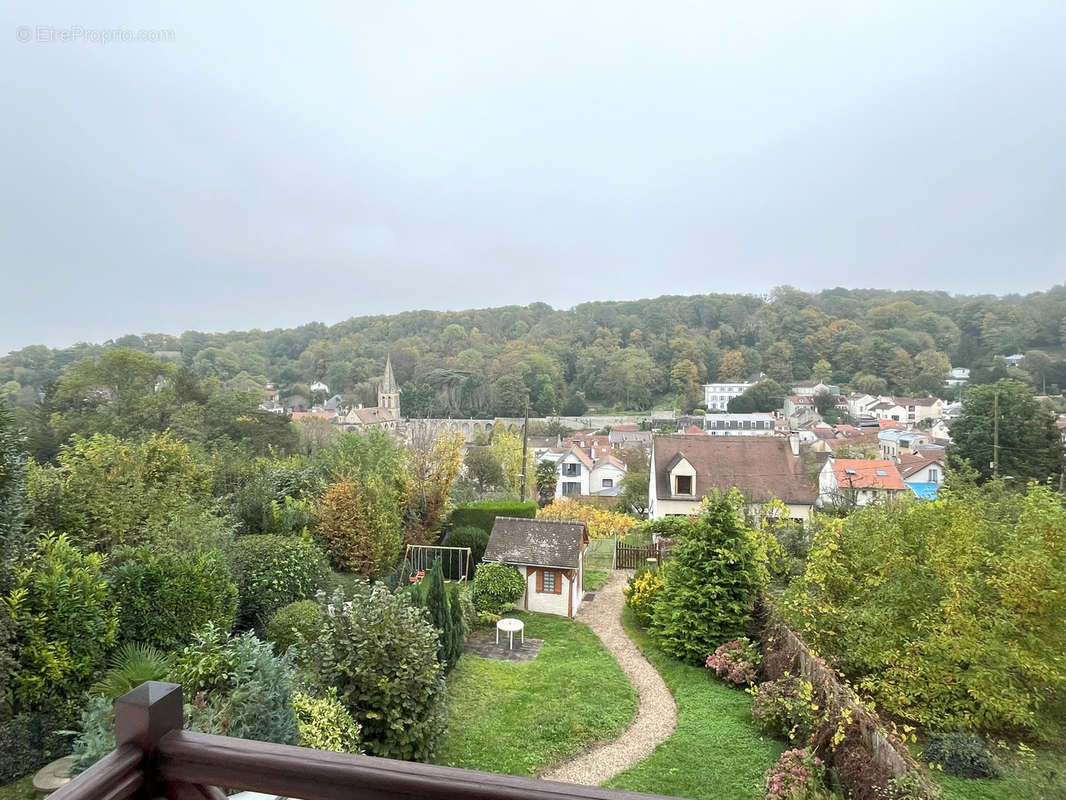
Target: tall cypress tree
point(457, 629)
point(437, 607)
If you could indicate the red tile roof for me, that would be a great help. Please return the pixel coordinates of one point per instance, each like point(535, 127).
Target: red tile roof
point(866, 473)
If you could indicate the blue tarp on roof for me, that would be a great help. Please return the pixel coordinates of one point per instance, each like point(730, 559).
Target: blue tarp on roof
point(923, 491)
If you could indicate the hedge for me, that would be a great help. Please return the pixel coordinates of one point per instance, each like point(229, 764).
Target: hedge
point(483, 514)
point(30, 741)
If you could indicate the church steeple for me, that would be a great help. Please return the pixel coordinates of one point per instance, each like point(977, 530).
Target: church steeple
point(389, 393)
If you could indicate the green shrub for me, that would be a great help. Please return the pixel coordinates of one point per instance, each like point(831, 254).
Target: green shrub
point(497, 586)
point(483, 514)
point(641, 590)
point(164, 598)
point(711, 584)
point(325, 723)
point(295, 625)
point(29, 741)
point(236, 686)
point(131, 666)
point(65, 623)
point(97, 736)
point(786, 708)
point(273, 571)
point(947, 614)
point(960, 754)
point(232, 686)
point(467, 536)
point(381, 655)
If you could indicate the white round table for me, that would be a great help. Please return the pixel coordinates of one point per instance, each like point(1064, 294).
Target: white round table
point(511, 627)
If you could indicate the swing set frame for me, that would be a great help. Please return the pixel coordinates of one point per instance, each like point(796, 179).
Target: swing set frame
point(419, 558)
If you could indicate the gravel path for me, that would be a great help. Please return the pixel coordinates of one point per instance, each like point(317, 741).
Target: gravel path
point(656, 715)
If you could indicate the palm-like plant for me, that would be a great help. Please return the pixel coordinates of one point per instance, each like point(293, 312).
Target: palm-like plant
point(130, 666)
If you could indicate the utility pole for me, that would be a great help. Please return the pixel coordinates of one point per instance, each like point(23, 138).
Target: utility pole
point(525, 438)
point(995, 433)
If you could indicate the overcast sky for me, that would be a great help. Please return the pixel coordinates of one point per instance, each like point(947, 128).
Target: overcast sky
point(276, 164)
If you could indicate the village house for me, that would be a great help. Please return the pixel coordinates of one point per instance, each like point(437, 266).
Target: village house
point(894, 442)
point(922, 474)
point(886, 408)
point(957, 376)
point(685, 469)
point(716, 396)
point(811, 388)
point(753, 424)
point(858, 482)
point(629, 436)
point(799, 409)
point(580, 475)
point(920, 409)
point(550, 556)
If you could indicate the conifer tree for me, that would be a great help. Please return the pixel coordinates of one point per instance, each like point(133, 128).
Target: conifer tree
point(457, 628)
point(437, 608)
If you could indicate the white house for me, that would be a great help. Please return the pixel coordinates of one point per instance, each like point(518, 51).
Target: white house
point(753, 424)
point(920, 408)
point(957, 375)
point(860, 403)
point(895, 442)
point(685, 469)
point(887, 408)
point(606, 475)
point(919, 469)
point(549, 554)
point(858, 482)
point(579, 474)
point(716, 396)
point(318, 386)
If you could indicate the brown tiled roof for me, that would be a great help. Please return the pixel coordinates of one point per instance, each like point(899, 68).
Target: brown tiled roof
point(760, 466)
point(863, 473)
point(908, 464)
point(537, 542)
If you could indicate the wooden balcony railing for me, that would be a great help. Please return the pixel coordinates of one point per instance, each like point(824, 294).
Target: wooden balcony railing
point(154, 757)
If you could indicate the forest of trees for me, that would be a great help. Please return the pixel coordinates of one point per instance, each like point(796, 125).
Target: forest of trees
point(609, 355)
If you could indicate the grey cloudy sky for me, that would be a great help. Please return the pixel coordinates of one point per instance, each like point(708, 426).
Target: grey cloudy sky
point(278, 163)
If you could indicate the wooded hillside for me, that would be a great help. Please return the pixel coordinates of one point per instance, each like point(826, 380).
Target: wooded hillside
point(617, 355)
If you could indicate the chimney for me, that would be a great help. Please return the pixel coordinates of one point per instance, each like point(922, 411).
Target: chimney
point(794, 443)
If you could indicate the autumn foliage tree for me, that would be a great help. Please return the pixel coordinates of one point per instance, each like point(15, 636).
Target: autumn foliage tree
point(946, 613)
point(361, 527)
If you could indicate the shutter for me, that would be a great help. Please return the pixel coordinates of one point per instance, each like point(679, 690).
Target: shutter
point(540, 581)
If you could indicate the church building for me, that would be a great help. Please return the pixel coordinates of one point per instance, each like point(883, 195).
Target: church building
point(386, 415)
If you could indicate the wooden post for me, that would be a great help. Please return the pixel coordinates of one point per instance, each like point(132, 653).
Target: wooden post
point(142, 717)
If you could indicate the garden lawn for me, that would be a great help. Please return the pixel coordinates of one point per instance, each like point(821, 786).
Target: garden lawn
point(19, 790)
point(521, 719)
point(716, 751)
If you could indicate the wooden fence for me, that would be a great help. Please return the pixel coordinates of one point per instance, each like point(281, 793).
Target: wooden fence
point(634, 557)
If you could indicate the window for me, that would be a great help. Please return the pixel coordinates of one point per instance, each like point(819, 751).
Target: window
point(608, 483)
point(933, 475)
point(683, 484)
point(572, 470)
point(570, 488)
point(549, 581)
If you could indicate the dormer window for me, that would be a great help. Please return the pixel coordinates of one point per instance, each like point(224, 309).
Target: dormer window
point(683, 484)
